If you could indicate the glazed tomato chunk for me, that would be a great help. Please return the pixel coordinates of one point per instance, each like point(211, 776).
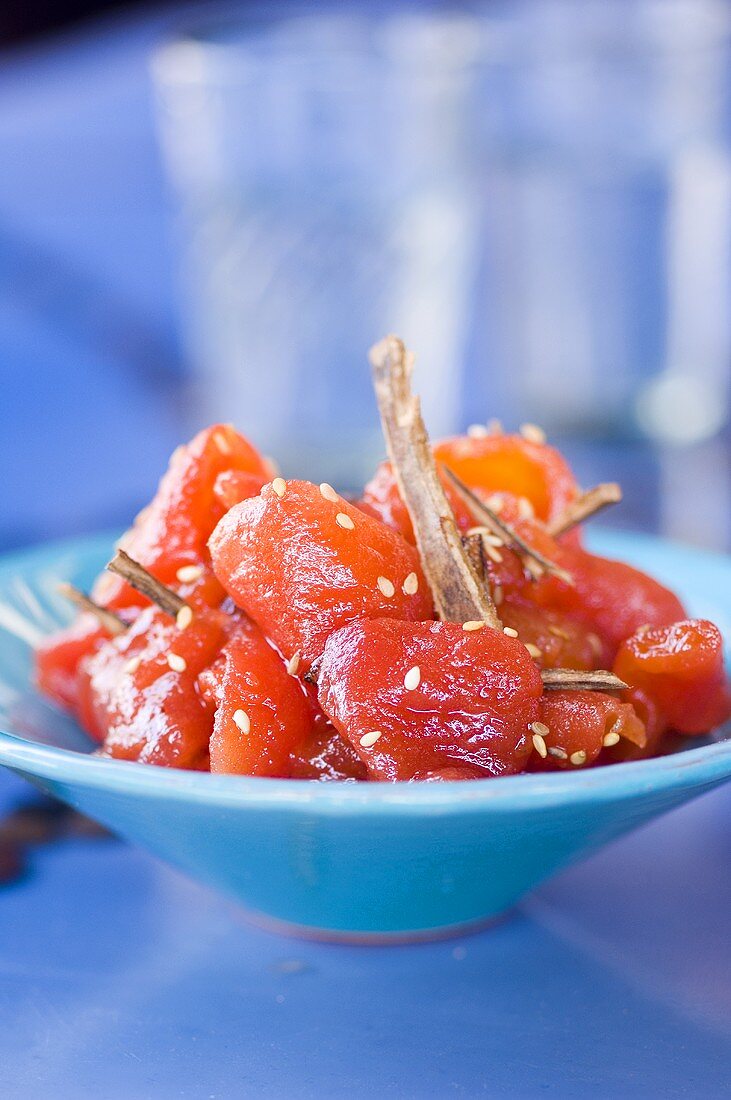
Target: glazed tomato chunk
point(170, 534)
point(680, 667)
point(415, 698)
point(261, 711)
point(57, 660)
point(324, 755)
point(576, 725)
point(302, 562)
point(490, 464)
point(142, 688)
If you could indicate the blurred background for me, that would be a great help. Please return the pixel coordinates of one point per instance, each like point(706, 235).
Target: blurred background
point(211, 212)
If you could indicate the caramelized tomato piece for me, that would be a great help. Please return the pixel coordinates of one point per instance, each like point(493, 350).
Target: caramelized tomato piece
point(416, 698)
point(490, 464)
point(680, 667)
point(555, 639)
point(304, 564)
point(324, 755)
point(574, 725)
point(57, 660)
point(143, 691)
point(233, 486)
point(261, 712)
point(655, 726)
point(172, 531)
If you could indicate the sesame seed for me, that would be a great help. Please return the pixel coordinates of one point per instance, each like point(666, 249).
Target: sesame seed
point(473, 624)
point(534, 651)
point(610, 739)
point(595, 642)
point(184, 617)
point(293, 663)
point(533, 433)
point(386, 587)
point(345, 521)
point(328, 492)
point(411, 585)
point(222, 443)
point(559, 632)
point(279, 485)
point(477, 431)
point(412, 679)
point(478, 529)
point(510, 631)
point(497, 595)
point(541, 728)
point(493, 540)
point(368, 740)
point(540, 745)
point(493, 554)
point(578, 758)
point(525, 508)
point(496, 502)
point(177, 663)
point(242, 720)
point(133, 664)
point(188, 573)
point(560, 754)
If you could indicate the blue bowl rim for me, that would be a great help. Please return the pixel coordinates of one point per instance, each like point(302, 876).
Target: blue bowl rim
point(690, 769)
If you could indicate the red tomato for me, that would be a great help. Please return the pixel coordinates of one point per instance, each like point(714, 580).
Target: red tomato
point(303, 564)
point(680, 667)
point(57, 659)
point(415, 698)
point(574, 725)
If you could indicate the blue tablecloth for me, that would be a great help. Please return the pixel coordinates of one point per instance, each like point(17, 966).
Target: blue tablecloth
point(121, 979)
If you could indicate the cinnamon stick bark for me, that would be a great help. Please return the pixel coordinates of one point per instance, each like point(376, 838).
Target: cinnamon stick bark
point(112, 623)
point(587, 505)
point(143, 581)
point(459, 596)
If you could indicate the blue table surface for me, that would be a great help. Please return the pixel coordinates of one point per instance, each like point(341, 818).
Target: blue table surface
point(119, 977)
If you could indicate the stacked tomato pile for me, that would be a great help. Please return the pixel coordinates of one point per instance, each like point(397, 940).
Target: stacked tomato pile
point(303, 642)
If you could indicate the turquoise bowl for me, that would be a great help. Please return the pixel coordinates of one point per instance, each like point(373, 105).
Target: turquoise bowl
point(356, 861)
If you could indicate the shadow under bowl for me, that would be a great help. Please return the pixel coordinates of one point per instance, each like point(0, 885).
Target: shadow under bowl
point(354, 861)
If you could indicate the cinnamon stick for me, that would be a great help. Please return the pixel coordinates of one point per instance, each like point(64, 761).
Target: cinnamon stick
point(587, 505)
point(490, 518)
point(143, 581)
point(569, 679)
point(111, 622)
point(459, 595)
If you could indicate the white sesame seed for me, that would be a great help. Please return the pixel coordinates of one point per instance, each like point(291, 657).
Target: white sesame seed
point(610, 739)
point(177, 663)
point(595, 642)
point(293, 663)
point(560, 754)
point(477, 431)
point(345, 521)
point(222, 443)
point(411, 585)
point(540, 728)
point(533, 433)
point(368, 740)
point(493, 540)
point(133, 664)
point(188, 573)
point(578, 758)
point(473, 624)
point(525, 508)
point(534, 651)
point(497, 595)
point(386, 587)
point(412, 679)
point(559, 632)
point(184, 617)
point(279, 485)
point(328, 492)
point(493, 554)
point(540, 745)
point(496, 502)
point(510, 631)
point(242, 720)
